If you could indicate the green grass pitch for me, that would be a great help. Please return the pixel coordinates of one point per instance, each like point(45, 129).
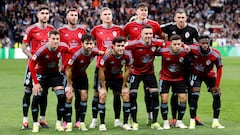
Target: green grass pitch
point(11, 86)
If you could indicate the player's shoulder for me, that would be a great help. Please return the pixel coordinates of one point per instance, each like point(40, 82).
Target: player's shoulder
point(95, 28)
point(62, 28)
point(152, 22)
point(64, 45)
point(215, 52)
point(191, 26)
point(133, 42)
point(170, 24)
point(50, 26)
point(31, 27)
point(82, 27)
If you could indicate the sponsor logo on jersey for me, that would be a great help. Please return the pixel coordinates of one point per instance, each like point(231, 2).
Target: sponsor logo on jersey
point(174, 32)
point(135, 28)
point(46, 56)
point(66, 35)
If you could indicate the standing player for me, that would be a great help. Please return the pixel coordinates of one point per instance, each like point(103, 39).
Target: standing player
point(76, 76)
point(204, 58)
point(104, 35)
point(35, 35)
point(133, 31)
point(111, 76)
point(71, 34)
point(171, 75)
point(188, 33)
point(45, 73)
point(143, 51)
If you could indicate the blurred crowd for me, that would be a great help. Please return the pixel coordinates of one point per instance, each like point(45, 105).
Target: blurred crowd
point(218, 18)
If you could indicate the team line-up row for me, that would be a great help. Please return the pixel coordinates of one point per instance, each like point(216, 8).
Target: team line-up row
point(122, 63)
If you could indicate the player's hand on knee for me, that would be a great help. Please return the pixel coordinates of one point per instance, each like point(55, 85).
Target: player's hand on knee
point(37, 89)
point(69, 92)
point(216, 90)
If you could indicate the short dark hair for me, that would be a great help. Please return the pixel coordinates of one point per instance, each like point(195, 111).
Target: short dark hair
point(147, 26)
point(180, 10)
point(175, 37)
point(140, 5)
point(43, 7)
point(53, 32)
point(71, 9)
point(203, 37)
point(87, 37)
point(119, 39)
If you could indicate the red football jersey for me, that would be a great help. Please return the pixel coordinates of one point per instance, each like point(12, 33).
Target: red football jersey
point(143, 55)
point(45, 61)
point(36, 36)
point(79, 61)
point(104, 37)
point(172, 64)
point(72, 37)
point(134, 29)
point(114, 64)
point(203, 64)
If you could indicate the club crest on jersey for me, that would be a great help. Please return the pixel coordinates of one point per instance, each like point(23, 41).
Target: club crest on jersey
point(153, 49)
point(101, 32)
point(81, 61)
point(79, 35)
point(101, 62)
point(208, 62)
point(38, 34)
point(46, 56)
point(123, 62)
point(181, 59)
point(114, 33)
point(34, 57)
point(135, 28)
point(187, 34)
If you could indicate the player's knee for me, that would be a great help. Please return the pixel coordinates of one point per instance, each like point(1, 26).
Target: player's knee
point(195, 89)
point(102, 96)
point(84, 97)
point(133, 94)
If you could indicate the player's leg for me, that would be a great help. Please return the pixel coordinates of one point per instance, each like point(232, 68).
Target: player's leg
point(95, 100)
point(147, 99)
point(216, 105)
point(151, 82)
point(43, 108)
point(83, 102)
point(182, 94)
point(26, 99)
point(117, 108)
point(126, 107)
point(35, 110)
point(164, 90)
point(134, 81)
point(67, 124)
point(174, 108)
point(102, 108)
point(195, 84)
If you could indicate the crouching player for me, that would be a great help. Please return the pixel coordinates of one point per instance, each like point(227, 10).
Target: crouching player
point(45, 73)
point(111, 76)
point(204, 58)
